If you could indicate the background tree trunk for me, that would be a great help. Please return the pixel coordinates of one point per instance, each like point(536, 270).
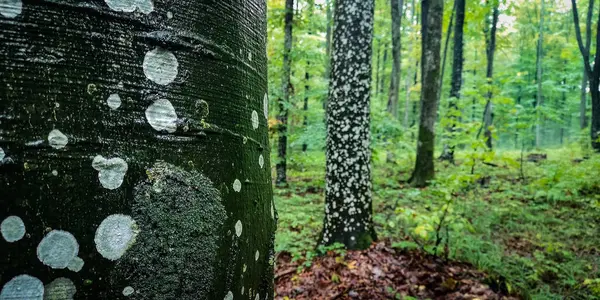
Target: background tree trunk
point(394, 91)
point(583, 119)
point(457, 69)
point(348, 208)
point(540, 96)
point(432, 12)
point(329, 16)
point(382, 73)
point(311, 4)
point(488, 114)
point(119, 179)
point(413, 11)
point(287, 90)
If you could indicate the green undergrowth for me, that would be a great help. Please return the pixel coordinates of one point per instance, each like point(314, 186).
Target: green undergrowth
point(535, 230)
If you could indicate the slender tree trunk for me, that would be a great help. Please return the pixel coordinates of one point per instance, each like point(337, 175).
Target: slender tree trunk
point(445, 55)
point(488, 114)
point(329, 16)
point(432, 13)
point(287, 89)
point(117, 180)
point(310, 4)
point(377, 65)
point(348, 209)
point(456, 80)
point(540, 96)
point(593, 75)
point(383, 65)
point(409, 72)
point(563, 104)
point(583, 119)
point(394, 91)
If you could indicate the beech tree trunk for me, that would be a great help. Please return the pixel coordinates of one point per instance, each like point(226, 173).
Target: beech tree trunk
point(392, 106)
point(593, 73)
point(432, 12)
point(134, 157)
point(282, 131)
point(583, 119)
point(490, 50)
point(540, 95)
point(327, 73)
point(310, 4)
point(348, 209)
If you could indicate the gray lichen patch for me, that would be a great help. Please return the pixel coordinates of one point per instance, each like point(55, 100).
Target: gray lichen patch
point(111, 172)
point(238, 228)
point(115, 235)
point(254, 120)
point(229, 296)
point(114, 101)
point(160, 65)
point(181, 217)
point(57, 139)
point(161, 116)
point(23, 287)
point(144, 6)
point(12, 229)
point(60, 289)
point(266, 106)
point(2, 154)
point(237, 185)
point(57, 249)
point(261, 161)
point(76, 264)
point(128, 291)
point(256, 255)
point(11, 8)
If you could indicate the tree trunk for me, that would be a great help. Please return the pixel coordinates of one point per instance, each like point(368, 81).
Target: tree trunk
point(540, 96)
point(394, 91)
point(287, 89)
point(310, 4)
point(431, 17)
point(377, 68)
point(409, 72)
point(488, 114)
point(593, 74)
point(445, 55)
point(348, 208)
point(329, 16)
point(583, 119)
point(132, 162)
point(457, 69)
point(383, 64)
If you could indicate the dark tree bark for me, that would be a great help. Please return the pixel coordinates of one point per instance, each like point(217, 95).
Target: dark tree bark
point(593, 74)
point(583, 119)
point(132, 162)
point(432, 12)
point(310, 4)
point(446, 43)
point(348, 208)
point(282, 117)
point(490, 50)
point(457, 69)
point(394, 91)
point(413, 11)
point(539, 72)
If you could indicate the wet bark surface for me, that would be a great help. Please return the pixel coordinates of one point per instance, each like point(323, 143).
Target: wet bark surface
point(133, 140)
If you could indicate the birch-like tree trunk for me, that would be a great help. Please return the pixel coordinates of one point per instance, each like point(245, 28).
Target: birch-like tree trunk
point(282, 118)
point(134, 157)
point(348, 209)
point(432, 12)
point(490, 50)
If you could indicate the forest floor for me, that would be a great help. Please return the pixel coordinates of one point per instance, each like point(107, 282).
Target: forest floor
point(502, 235)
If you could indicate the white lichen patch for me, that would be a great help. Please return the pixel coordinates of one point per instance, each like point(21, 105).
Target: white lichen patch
point(115, 235)
point(229, 296)
point(54, 173)
point(161, 116)
point(57, 139)
point(12, 229)
point(256, 255)
point(266, 106)
point(254, 120)
point(257, 296)
point(160, 66)
point(261, 161)
point(57, 249)
point(144, 6)
point(111, 172)
point(169, 15)
point(114, 101)
point(11, 8)
point(60, 289)
point(23, 287)
point(238, 228)
point(244, 268)
point(2, 154)
point(272, 210)
point(128, 291)
point(237, 185)
point(76, 264)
